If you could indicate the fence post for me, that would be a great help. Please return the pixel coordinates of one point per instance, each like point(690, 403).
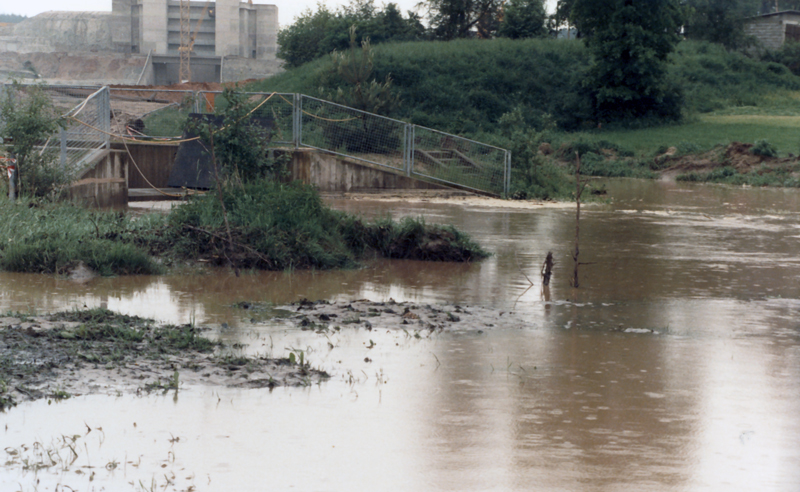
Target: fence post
point(104, 107)
point(411, 138)
point(507, 183)
point(63, 136)
point(298, 120)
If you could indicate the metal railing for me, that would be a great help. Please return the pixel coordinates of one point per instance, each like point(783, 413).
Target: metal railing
point(87, 134)
point(297, 120)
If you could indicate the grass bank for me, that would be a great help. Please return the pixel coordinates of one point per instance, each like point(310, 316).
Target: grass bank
point(519, 94)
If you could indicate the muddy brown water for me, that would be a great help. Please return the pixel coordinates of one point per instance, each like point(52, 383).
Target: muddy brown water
point(675, 367)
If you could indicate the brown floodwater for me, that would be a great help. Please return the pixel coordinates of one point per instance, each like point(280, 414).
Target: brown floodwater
point(675, 366)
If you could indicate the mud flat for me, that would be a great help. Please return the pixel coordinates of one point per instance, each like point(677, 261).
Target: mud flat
point(97, 351)
point(400, 316)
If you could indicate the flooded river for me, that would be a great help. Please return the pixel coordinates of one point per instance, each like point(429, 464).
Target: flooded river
point(675, 366)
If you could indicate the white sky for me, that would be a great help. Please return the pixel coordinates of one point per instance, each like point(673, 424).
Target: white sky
point(287, 10)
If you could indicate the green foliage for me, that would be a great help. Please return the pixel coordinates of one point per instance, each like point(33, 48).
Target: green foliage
point(355, 66)
point(523, 19)
point(712, 78)
point(317, 33)
point(788, 55)
point(453, 19)
point(630, 42)
point(720, 21)
point(411, 238)
point(762, 147)
point(239, 144)
point(277, 226)
point(27, 119)
point(41, 237)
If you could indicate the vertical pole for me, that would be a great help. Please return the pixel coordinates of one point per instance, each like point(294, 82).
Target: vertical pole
point(63, 136)
point(412, 142)
point(407, 149)
point(299, 112)
point(105, 115)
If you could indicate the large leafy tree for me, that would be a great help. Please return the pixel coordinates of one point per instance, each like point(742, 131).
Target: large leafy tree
point(630, 41)
point(452, 19)
point(523, 19)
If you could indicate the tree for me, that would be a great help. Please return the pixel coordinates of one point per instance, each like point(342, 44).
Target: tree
point(523, 19)
point(28, 118)
point(630, 41)
point(452, 19)
point(317, 33)
point(720, 21)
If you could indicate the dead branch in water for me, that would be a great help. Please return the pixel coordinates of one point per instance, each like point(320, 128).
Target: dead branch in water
point(547, 269)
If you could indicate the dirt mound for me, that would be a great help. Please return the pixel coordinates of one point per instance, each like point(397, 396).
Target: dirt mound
point(737, 155)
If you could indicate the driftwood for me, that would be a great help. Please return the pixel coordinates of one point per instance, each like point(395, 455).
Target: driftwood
point(547, 269)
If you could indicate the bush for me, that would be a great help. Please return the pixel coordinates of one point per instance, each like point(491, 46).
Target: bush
point(763, 148)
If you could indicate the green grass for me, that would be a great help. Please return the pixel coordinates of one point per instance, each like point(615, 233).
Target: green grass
point(705, 132)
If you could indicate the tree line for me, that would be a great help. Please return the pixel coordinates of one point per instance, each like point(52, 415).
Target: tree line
point(316, 33)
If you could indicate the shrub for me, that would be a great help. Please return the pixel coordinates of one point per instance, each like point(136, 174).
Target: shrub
point(763, 148)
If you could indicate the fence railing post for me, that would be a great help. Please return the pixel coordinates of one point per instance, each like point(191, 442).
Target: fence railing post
point(63, 156)
point(104, 107)
point(507, 184)
point(297, 120)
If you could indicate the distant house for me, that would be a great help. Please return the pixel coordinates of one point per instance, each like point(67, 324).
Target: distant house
point(773, 30)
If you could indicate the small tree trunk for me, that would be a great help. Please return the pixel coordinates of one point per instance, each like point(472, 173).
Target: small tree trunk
point(578, 190)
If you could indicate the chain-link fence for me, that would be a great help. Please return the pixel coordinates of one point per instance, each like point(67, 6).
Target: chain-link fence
point(273, 109)
point(150, 113)
point(87, 133)
point(356, 134)
point(458, 161)
point(295, 119)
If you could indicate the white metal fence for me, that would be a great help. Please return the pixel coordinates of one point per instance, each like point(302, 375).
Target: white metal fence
point(297, 120)
point(88, 123)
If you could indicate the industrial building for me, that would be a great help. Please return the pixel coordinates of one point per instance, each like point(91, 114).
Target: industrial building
point(144, 41)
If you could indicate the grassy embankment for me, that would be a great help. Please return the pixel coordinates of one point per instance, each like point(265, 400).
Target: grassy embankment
point(473, 88)
point(273, 226)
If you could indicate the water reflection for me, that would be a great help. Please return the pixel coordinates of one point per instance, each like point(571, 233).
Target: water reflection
point(675, 367)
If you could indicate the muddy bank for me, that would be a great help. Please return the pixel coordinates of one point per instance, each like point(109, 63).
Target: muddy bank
point(97, 351)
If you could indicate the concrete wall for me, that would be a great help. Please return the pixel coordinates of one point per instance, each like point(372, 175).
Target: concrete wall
point(121, 25)
point(104, 185)
point(329, 172)
point(153, 30)
point(227, 26)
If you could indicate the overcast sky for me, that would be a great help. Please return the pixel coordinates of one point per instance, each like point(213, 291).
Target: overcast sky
point(287, 10)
